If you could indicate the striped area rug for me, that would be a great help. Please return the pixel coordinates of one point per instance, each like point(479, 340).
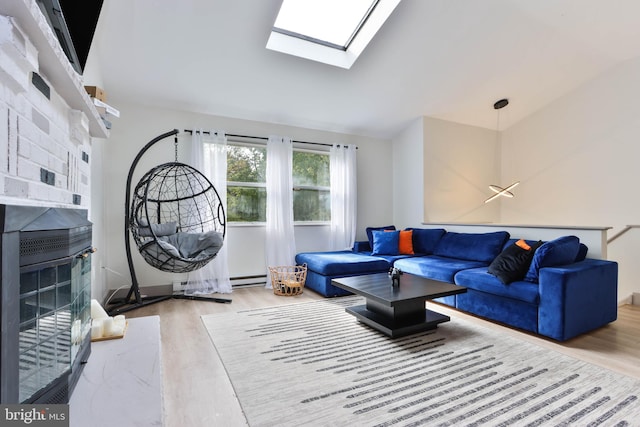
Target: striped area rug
point(312, 364)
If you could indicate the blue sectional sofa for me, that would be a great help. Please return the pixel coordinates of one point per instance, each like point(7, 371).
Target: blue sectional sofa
point(548, 288)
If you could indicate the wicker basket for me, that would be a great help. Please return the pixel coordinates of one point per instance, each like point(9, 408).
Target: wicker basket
point(288, 280)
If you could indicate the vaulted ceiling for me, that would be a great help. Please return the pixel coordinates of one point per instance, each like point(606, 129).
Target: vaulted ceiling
point(449, 59)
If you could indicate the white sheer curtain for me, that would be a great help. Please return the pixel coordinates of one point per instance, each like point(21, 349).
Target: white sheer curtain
point(343, 196)
point(209, 156)
point(280, 246)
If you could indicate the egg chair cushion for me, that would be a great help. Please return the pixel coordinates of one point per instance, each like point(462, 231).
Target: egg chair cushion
point(168, 248)
point(181, 252)
point(194, 245)
point(159, 229)
point(166, 257)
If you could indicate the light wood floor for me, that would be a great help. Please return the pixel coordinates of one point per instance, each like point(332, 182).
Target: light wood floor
point(198, 393)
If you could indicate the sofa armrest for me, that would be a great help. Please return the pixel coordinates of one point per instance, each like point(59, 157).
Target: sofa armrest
point(577, 298)
point(362, 246)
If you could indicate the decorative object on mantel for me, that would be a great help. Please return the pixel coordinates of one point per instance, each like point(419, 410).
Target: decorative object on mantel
point(105, 327)
point(99, 99)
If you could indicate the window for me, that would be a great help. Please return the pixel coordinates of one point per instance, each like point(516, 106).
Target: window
point(246, 185)
point(333, 23)
point(334, 32)
point(311, 187)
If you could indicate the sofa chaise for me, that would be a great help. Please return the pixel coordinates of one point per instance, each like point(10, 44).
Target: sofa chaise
point(547, 288)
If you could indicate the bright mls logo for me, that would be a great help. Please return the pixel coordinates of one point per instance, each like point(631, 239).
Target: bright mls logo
point(34, 415)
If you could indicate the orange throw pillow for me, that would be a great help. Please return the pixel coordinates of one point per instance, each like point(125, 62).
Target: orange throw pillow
point(405, 245)
point(523, 244)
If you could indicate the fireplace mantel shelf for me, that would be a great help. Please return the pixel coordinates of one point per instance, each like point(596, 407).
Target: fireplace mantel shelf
point(53, 62)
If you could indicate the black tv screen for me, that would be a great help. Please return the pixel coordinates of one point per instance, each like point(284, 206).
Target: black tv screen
point(74, 23)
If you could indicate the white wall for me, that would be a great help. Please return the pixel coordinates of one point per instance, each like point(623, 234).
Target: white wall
point(577, 161)
point(408, 177)
point(93, 77)
point(441, 173)
point(139, 124)
point(460, 162)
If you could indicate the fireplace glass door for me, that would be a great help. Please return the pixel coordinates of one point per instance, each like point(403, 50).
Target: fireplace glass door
point(55, 309)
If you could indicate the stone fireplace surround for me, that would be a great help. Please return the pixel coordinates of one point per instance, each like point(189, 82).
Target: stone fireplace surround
point(47, 121)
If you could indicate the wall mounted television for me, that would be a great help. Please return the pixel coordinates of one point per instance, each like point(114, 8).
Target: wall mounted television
point(74, 24)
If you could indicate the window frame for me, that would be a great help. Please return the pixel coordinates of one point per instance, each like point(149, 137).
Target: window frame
point(264, 185)
point(343, 58)
point(343, 47)
point(314, 187)
point(236, 143)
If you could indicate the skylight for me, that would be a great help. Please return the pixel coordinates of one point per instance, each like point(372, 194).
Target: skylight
point(333, 23)
point(331, 31)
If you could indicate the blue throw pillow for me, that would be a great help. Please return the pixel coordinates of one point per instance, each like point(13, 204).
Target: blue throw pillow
point(582, 253)
point(426, 239)
point(560, 251)
point(385, 242)
point(369, 231)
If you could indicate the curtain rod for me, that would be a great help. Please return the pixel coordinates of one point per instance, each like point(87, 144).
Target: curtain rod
point(263, 138)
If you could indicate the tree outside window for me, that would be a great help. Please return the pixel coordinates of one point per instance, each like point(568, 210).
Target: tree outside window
point(246, 188)
point(246, 185)
point(311, 187)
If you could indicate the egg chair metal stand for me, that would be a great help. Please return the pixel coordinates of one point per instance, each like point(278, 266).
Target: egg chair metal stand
point(176, 219)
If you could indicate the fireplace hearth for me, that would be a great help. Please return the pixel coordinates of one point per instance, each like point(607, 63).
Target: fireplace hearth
point(45, 302)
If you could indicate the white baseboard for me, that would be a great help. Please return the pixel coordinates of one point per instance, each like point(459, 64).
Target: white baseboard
point(626, 301)
point(177, 285)
point(633, 299)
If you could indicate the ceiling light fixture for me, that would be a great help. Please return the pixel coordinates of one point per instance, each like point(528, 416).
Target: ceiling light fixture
point(499, 191)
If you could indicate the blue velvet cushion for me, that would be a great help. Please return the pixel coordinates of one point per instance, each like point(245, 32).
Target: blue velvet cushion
point(483, 247)
point(370, 231)
point(582, 253)
point(426, 239)
point(560, 251)
point(385, 242)
point(362, 246)
point(435, 267)
point(478, 279)
point(341, 263)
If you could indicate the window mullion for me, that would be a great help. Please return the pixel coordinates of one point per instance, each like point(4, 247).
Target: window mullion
point(246, 184)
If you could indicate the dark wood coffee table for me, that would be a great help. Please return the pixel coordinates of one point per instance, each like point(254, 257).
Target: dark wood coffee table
point(401, 310)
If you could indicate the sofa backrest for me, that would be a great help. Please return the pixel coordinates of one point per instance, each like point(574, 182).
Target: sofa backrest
point(483, 247)
point(425, 240)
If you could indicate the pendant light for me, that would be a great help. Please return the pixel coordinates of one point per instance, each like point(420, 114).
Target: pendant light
point(499, 191)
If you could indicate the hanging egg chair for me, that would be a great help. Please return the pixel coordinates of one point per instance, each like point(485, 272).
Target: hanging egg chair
point(176, 218)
